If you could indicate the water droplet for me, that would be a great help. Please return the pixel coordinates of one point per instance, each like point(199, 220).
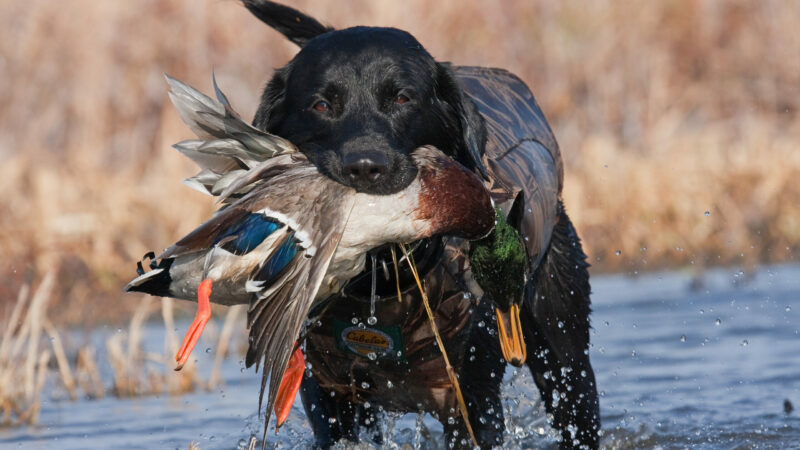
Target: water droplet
point(451, 420)
point(717, 322)
point(364, 385)
point(242, 444)
point(354, 320)
point(745, 343)
point(560, 324)
point(788, 308)
point(208, 350)
point(372, 320)
point(683, 338)
point(481, 324)
point(372, 356)
point(618, 252)
point(389, 384)
point(707, 213)
point(702, 311)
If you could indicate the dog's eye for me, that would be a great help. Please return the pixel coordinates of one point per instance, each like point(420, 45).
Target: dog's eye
point(322, 106)
point(401, 98)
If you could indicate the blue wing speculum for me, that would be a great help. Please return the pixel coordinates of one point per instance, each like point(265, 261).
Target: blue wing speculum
point(248, 234)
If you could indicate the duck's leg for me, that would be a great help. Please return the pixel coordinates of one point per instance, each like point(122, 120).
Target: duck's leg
point(290, 384)
point(199, 323)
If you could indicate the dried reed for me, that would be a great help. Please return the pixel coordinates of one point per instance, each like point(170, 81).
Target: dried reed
point(137, 373)
point(25, 358)
point(233, 318)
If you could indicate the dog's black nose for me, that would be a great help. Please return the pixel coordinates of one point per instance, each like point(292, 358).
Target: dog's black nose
point(363, 168)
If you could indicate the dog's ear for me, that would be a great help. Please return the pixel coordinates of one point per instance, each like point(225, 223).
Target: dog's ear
point(296, 26)
point(271, 108)
point(472, 126)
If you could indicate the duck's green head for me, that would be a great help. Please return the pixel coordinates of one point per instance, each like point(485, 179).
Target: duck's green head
point(498, 264)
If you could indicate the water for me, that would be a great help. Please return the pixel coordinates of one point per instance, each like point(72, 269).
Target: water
point(669, 355)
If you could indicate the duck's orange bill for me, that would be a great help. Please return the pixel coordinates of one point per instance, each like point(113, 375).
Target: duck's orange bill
point(199, 323)
point(290, 384)
point(509, 329)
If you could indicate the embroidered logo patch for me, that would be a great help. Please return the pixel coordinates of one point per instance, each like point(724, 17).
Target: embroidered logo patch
point(369, 342)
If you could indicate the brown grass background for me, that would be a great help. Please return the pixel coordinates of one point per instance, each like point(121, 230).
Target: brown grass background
point(664, 111)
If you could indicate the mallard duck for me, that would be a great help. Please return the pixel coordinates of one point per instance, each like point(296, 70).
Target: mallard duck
point(287, 235)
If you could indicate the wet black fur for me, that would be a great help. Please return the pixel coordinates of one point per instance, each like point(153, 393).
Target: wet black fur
point(359, 72)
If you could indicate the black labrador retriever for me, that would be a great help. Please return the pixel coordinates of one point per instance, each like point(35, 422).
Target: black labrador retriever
point(357, 102)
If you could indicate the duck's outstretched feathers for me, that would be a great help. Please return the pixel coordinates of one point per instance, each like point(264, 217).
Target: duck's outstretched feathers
point(227, 147)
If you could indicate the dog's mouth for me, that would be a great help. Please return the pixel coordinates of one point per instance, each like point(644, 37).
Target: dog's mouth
point(372, 172)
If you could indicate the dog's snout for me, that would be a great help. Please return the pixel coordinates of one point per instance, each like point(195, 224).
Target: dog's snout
point(364, 168)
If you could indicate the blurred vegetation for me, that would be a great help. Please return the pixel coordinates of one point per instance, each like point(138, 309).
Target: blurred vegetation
point(678, 121)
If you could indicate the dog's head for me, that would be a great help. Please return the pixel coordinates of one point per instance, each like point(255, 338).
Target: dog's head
point(358, 101)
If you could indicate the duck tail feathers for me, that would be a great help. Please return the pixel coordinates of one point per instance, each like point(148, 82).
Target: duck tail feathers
point(155, 281)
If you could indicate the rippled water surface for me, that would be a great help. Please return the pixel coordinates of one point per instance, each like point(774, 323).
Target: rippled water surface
point(681, 362)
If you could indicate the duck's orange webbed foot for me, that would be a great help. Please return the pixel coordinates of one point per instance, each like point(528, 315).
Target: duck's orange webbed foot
point(197, 326)
point(290, 384)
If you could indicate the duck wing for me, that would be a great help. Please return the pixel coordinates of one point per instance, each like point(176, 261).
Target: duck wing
point(227, 147)
point(282, 298)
